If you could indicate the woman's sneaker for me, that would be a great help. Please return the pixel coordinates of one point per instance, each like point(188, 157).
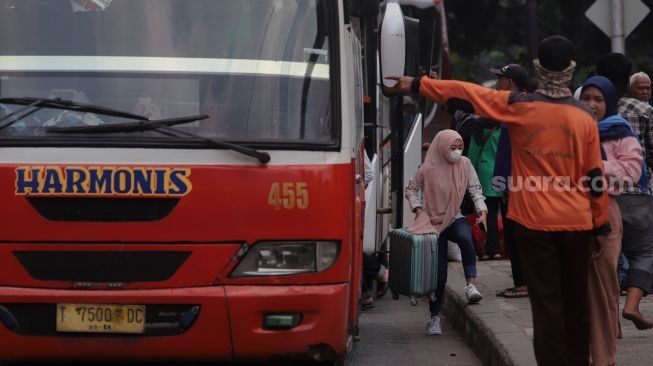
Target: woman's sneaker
point(433, 326)
point(472, 294)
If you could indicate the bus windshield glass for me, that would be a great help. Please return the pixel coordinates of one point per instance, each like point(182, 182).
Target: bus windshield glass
point(260, 69)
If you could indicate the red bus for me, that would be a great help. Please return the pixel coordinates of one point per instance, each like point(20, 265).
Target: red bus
point(182, 179)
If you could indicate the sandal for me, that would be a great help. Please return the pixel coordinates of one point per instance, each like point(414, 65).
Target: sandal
point(640, 322)
point(503, 292)
point(514, 294)
point(367, 303)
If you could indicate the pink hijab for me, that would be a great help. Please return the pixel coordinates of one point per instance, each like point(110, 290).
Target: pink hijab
point(443, 184)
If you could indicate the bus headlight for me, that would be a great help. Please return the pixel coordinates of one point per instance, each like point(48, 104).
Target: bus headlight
point(287, 258)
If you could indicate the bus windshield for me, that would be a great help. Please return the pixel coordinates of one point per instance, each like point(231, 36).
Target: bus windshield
point(261, 69)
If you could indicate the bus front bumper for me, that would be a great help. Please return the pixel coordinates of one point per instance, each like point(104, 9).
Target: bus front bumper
point(233, 323)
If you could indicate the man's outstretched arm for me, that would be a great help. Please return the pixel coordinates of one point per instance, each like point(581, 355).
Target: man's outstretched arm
point(487, 102)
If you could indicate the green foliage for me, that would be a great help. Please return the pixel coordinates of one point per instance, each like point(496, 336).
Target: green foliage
point(487, 34)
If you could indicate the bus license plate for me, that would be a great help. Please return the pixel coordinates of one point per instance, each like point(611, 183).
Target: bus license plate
point(100, 318)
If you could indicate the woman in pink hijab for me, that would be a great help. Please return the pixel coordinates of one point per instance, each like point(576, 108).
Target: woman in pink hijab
point(443, 179)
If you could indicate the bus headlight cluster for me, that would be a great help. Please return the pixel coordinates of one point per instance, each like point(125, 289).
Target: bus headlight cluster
point(287, 258)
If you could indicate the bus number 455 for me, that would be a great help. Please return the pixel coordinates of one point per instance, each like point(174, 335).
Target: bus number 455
point(288, 195)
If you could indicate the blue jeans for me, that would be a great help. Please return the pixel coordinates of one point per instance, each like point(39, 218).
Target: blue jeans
point(459, 232)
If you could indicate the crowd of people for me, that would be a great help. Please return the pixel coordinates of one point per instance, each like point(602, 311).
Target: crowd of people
point(568, 173)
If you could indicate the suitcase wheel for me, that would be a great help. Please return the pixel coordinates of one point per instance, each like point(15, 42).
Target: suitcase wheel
point(395, 296)
point(413, 301)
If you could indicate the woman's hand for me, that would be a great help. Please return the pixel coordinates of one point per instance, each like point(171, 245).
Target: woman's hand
point(482, 219)
point(597, 248)
point(418, 212)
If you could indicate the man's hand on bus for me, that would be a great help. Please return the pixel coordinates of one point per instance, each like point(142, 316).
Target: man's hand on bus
point(401, 87)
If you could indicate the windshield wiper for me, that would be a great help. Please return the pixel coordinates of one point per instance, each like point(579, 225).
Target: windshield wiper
point(32, 105)
point(262, 156)
point(129, 126)
point(140, 123)
point(163, 126)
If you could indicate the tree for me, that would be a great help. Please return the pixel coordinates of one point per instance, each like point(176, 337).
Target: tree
point(490, 33)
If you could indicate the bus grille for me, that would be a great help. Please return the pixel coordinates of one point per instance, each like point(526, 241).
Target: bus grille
point(101, 266)
point(99, 209)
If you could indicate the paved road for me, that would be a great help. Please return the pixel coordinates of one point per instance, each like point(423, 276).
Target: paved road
point(393, 334)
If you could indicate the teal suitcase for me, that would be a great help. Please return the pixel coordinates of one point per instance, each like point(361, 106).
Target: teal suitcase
point(413, 265)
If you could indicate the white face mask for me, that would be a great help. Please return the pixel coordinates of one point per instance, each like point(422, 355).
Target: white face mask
point(454, 156)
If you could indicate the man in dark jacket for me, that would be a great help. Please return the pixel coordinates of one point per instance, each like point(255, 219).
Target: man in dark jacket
point(481, 138)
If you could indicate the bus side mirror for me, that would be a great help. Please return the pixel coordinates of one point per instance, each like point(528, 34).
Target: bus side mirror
point(392, 44)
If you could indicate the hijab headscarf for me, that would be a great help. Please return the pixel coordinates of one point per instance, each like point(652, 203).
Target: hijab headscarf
point(444, 184)
point(613, 126)
point(607, 89)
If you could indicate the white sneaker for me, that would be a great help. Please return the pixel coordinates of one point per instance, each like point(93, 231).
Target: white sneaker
point(472, 294)
point(433, 326)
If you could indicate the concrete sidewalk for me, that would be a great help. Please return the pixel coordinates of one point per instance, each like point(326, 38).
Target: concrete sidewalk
point(501, 331)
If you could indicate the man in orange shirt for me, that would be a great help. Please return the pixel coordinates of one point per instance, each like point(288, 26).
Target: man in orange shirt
point(557, 199)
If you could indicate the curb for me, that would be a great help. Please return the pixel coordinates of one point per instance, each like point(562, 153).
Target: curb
point(496, 340)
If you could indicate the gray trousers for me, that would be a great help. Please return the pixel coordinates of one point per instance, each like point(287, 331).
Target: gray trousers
point(637, 242)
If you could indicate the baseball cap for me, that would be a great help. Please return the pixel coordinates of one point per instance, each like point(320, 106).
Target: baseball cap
point(513, 72)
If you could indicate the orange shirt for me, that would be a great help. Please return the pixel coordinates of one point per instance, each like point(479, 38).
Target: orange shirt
point(555, 146)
